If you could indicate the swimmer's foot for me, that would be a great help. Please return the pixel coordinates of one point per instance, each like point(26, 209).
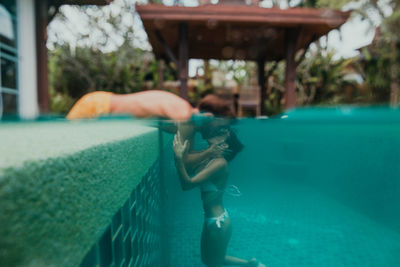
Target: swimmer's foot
point(255, 263)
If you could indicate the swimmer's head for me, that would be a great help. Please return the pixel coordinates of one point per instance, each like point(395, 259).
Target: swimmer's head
point(216, 113)
point(219, 116)
point(216, 106)
point(227, 137)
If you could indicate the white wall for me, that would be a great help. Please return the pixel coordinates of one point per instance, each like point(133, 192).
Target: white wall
point(27, 79)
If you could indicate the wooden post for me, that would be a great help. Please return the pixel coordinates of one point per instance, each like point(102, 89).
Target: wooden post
point(160, 74)
point(41, 8)
point(183, 60)
point(261, 83)
point(290, 73)
point(394, 86)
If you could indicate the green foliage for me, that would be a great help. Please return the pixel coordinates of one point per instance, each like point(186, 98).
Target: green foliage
point(376, 73)
point(76, 72)
point(275, 88)
point(321, 79)
point(239, 71)
point(60, 103)
point(381, 60)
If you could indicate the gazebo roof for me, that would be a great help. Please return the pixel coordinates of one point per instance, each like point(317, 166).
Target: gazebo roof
point(235, 32)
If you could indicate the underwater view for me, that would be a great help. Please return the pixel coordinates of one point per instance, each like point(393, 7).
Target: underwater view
point(314, 187)
point(311, 187)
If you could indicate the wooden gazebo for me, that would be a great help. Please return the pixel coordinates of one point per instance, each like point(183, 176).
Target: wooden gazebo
point(233, 30)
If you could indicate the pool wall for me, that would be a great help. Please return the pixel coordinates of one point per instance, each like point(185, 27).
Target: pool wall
point(74, 193)
point(134, 237)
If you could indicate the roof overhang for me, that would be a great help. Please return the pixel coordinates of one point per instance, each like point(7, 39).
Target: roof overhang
point(235, 32)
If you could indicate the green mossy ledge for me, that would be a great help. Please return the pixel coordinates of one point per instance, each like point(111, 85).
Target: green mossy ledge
point(61, 183)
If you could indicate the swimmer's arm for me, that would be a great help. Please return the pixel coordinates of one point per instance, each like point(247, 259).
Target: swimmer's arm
point(193, 158)
point(206, 174)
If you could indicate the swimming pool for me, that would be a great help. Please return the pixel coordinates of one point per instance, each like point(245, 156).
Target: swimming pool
point(320, 187)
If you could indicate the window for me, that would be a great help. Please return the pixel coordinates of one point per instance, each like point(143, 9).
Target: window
point(8, 58)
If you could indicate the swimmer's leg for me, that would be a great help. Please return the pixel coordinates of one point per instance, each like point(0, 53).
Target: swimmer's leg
point(214, 243)
point(229, 260)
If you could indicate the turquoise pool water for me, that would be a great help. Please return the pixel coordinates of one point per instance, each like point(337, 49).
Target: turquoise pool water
point(320, 187)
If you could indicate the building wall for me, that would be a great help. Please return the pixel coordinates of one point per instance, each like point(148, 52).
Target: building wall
point(27, 78)
point(18, 81)
point(9, 58)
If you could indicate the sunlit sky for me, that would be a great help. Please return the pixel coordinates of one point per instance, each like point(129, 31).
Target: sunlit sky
point(352, 35)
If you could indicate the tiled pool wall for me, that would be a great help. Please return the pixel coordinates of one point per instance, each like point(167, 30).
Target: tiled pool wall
point(138, 233)
point(134, 237)
point(69, 189)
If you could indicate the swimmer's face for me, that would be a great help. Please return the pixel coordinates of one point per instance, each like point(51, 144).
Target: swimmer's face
point(215, 129)
point(220, 138)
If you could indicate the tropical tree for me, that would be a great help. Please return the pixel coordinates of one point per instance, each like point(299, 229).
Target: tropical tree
point(381, 60)
point(322, 79)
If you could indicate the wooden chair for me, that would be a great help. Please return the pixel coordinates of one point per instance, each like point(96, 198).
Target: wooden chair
point(249, 99)
point(226, 93)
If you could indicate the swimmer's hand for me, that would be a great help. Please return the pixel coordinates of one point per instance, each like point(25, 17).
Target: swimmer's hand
point(219, 147)
point(220, 150)
point(180, 149)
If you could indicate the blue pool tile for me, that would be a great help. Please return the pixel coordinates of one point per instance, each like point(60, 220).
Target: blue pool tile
point(91, 259)
point(128, 247)
point(116, 222)
point(105, 249)
point(118, 247)
point(125, 217)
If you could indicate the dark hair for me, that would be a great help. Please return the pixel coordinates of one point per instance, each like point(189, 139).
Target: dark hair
point(234, 145)
point(233, 142)
point(220, 108)
point(216, 105)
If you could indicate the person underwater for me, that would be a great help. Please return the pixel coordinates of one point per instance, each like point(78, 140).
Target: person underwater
point(207, 169)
